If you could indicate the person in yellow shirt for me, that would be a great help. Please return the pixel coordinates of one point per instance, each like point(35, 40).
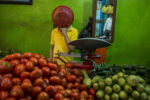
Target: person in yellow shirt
point(60, 37)
point(62, 34)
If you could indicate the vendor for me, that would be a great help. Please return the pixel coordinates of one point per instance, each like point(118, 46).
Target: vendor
point(62, 34)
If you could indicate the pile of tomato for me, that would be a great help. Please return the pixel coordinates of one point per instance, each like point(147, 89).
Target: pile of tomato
point(33, 77)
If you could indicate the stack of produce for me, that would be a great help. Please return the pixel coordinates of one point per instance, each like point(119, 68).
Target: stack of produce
point(32, 77)
point(105, 70)
point(119, 87)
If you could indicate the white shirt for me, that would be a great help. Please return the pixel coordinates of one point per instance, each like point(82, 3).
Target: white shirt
point(108, 24)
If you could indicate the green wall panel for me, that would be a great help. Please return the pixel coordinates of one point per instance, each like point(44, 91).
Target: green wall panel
point(131, 41)
point(27, 27)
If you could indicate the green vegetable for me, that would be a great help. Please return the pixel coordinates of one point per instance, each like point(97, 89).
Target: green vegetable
point(99, 94)
point(96, 79)
point(95, 86)
point(87, 81)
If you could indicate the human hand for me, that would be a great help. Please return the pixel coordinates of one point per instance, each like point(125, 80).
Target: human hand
point(63, 31)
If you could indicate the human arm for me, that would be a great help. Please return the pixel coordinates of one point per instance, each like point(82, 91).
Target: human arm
point(51, 52)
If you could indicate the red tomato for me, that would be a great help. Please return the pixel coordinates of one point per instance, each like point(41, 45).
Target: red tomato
point(19, 69)
point(55, 80)
point(82, 87)
point(40, 82)
point(75, 95)
point(43, 96)
point(76, 72)
point(24, 60)
point(53, 73)
point(76, 85)
point(6, 83)
point(29, 66)
point(10, 98)
point(9, 57)
point(3, 95)
point(26, 86)
point(64, 82)
point(16, 92)
point(92, 91)
point(34, 60)
point(36, 73)
point(8, 75)
point(52, 66)
point(61, 74)
point(5, 67)
point(27, 55)
point(69, 85)
point(69, 65)
point(14, 62)
point(46, 80)
point(46, 71)
point(36, 55)
point(68, 91)
point(16, 81)
point(42, 62)
point(71, 78)
point(59, 88)
point(36, 90)
point(58, 96)
point(51, 90)
point(17, 55)
point(91, 97)
point(24, 75)
point(84, 94)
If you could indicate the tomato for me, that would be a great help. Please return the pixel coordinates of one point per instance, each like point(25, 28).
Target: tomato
point(53, 73)
point(68, 91)
point(55, 80)
point(81, 78)
point(84, 94)
point(61, 74)
point(14, 62)
point(51, 90)
point(24, 75)
point(19, 69)
point(17, 55)
point(36, 90)
point(91, 97)
point(69, 85)
point(43, 96)
point(58, 96)
point(75, 95)
point(92, 91)
point(42, 62)
point(64, 82)
point(16, 81)
point(82, 87)
point(10, 98)
point(59, 88)
point(36, 55)
point(63, 92)
point(23, 99)
point(76, 85)
point(34, 60)
point(36, 73)
point(63, 71)
point(71, 78)
point(8, 75)
point(40, 82)
point(3, 95)
point(46, 71)
point(46, 80)
point(78, 80)
point(69, 65)
point(5, 67)
point(52, 66)
point(65, 99)
point(24, 61)
point(27, 86)
point(6, 84)
point(29, 66)
point(16, 92)
point(9, 57)
point(76, 72)
point(27, 55)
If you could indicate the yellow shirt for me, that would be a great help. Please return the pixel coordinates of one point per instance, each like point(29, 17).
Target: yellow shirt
point(58, 40)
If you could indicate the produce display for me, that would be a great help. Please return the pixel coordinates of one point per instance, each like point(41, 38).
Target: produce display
point(105, 70)
point(33, 77)
point(119, 87)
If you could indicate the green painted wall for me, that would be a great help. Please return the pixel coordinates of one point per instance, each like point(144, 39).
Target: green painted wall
point(27, 27)
point(132, 33)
